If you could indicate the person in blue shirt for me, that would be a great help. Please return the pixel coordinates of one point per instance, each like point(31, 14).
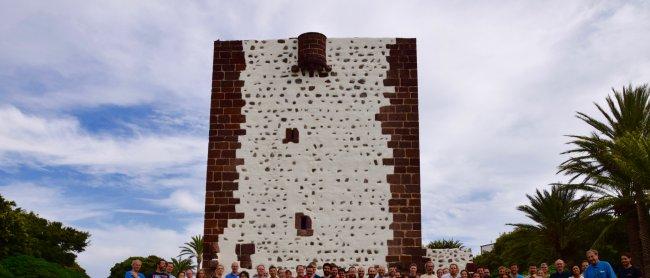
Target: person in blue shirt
point(135, 270)
point(235, 270)
point(597, 268)
point(514, 271)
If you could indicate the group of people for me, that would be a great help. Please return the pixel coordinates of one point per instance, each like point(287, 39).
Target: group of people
point(592, 267)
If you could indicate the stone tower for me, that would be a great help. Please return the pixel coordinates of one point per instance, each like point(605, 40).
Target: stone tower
point(313, 153)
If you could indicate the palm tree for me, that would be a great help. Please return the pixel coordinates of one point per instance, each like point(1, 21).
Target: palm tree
point(182, 264)
point(559, 217)
point(194, 249)
point(610, 163)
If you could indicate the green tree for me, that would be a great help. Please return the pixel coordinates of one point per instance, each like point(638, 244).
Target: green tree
point(559, 217)
point(182, 264)
point(13, 233)
point(148, 266)
point(194, 249)
point(525, 246)
point(31, 267)
point(610, 163)
point(29, 234)
point(445, 244)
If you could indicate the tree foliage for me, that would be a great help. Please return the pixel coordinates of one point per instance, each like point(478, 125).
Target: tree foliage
point(558, 217)
point(445, 244)
point(27, 233)
point(182, 264)
point(148, 266)
point(31, 267)
point(551, 236)
point(613, 162)
point(194, 249)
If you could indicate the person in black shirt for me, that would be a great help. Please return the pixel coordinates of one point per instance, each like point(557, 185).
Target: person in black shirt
point(628, 270)
point(560, 272)
point(160, 270)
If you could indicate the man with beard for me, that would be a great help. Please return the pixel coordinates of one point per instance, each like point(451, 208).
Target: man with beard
point(428, 269)
point(453, 271)
point(160, 270)
point(597, 268)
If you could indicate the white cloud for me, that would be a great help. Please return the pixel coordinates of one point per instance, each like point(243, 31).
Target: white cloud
point(51, 203)
point(182, 200)
point(113, 243)
point(61, 141)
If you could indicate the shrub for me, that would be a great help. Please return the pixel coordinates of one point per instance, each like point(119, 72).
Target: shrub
point(28, 267)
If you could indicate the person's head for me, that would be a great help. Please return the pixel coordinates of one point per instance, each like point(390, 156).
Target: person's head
point(372, 272)
point(413, 270)
point(310, 270)
point(464, 274)
point(219, 270)
point(428, 267)
point(439, 272)
point(486, 271)
point(502, 270)
point(532, 269)
point(544, 268)
point(234, 267)
point(476, 275)
point(326, 269)
point(626, 259)
point(273, 271)
point(514, 269)
point(243, 274)
point(559, 265)
point(504, 275)
point(453, 269)
point(300, 270)
point(169, 267)
point(352, 272)
point(160, 266)
point(200, 273)
point(281, 272)
point(575, 271)
point(398, 274)
point(381, 270)
point(189, 273)
point(334, 270)
point(480, 272)
point(540, 273)
point(136, 265)
point(592, 256)
point(288, 273)
point(391, 270)
point(261, 271)
point(583, 265)
point(361, 271)
point(181, 275)
point(445, 270)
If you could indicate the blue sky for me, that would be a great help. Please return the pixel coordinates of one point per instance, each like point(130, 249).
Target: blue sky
point(104, 104)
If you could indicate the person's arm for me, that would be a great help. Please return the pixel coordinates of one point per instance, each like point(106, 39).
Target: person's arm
point(612, 274)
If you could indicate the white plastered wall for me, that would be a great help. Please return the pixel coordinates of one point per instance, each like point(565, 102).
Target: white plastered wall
point(334, 174)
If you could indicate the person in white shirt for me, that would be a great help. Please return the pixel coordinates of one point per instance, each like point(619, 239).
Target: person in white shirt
point(453, 272)
point(428, 268)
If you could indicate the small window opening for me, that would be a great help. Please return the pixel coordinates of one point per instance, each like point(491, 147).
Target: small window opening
point(303, 225)
point(291, 135)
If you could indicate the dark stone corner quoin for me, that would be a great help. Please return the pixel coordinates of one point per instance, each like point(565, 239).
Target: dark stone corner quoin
point(399, 120)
